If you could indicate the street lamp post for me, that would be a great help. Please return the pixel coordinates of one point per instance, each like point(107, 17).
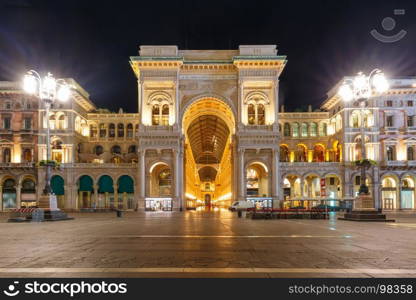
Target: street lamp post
point(47, 89)
point(359, 89)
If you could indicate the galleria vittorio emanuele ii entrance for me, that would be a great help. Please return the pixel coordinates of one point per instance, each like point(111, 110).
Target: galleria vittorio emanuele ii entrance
point(208, 125)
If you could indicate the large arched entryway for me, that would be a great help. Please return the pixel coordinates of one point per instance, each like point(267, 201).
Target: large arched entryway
point(208, 125)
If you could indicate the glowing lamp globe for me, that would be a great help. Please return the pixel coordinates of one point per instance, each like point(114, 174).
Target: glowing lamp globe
point(63, 93)
point(30, 84)
point(345, 92)
point(380, 82)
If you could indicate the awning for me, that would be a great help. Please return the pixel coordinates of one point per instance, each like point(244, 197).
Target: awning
point(125, 184)
point(105, 184)
point(57, 184)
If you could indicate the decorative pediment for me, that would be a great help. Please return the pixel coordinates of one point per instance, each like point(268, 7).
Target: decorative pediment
point(410, 140)
point(159, 97)
point(390, 141)
point(257, 97)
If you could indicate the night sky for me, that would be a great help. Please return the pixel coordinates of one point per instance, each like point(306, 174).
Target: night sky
point(91, 41)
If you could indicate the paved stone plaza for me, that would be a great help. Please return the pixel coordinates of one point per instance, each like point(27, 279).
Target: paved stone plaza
point(207, 244)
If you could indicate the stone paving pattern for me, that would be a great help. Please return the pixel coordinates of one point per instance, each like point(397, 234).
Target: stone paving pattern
point(206, 240)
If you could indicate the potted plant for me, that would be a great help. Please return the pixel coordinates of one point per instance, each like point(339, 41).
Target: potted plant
point(52, 163)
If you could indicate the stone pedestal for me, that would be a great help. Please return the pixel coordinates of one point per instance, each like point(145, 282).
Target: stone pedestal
point(48, 201)
point(364, 211)
point(48, 210)
point(364, 203)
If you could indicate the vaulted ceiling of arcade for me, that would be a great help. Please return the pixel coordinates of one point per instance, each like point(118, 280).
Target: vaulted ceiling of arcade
point(208, 136)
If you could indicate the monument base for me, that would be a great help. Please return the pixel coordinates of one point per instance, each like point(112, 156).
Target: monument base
point(47, 211)
point(364, 211)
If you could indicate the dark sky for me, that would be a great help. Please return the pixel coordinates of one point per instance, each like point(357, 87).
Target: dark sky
point(91, 41)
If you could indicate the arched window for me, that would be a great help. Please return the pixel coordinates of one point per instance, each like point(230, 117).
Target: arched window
point(410, 153)
point(261, 120)
point(313, 129)
point(77, 124)
point(111, 130)
point(390, 153)
point(325, 129)
point(132, 149)
point(57, 145)
point(318, 153)
point(354, 120)
point(165, 114)
point(251, 111)
point(98, 150)
point(304, 130)
point(103, 131)
point(129, 131)
point(155, 114)
point(286, 129)
point(116, 149)
point(93, 130)
point(256, 114)
point(52, 122)
point(61, 122)
point(338, 152)
point(57, 152)
point(284, 153)
point(120, 130)
point(165, 182)
point(7, 155)
point(28, 186)
point(252, 182)
point(300, 154)
point(27, 155)
point(295, 129)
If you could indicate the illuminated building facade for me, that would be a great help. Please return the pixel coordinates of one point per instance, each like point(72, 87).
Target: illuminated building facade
point(208, 131)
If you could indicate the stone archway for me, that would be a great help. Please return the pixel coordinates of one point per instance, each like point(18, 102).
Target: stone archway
point(208, 124)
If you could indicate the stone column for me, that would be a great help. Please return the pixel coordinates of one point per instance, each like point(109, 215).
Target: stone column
point(276, 101)
point(302, 190)
point(234, 154)
point(139, 100)
point(240, 101)
point(18, 195)
point(241, 176)
point(399, 195)
point(115, 194)
point(376, 195)
point(275, 177)
point(95, 187)
point(177, 102)
point(142, 177)
point(181, 179)
point(177, 163)
point(72, 201)
point(1, 198)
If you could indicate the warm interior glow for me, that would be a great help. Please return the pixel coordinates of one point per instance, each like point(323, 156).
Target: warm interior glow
point(225, 197)
point(190, 196)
